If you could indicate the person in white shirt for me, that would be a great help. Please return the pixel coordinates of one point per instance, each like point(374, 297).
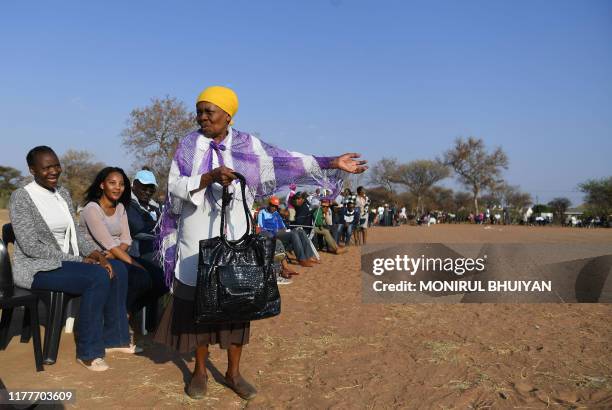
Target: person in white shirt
point(203, 165)
point(51, 253)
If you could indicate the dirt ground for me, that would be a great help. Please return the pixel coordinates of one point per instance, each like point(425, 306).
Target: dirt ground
point(329, 350)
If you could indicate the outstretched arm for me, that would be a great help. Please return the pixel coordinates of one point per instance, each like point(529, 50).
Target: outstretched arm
point(350, 162)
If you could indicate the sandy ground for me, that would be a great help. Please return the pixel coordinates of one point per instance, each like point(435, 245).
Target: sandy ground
point(329, 350)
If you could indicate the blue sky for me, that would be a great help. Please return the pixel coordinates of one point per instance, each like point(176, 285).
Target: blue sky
point(385, 78)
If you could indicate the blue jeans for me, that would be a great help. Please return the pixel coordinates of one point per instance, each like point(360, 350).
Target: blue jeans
point(139, 284)
point(345, 232)
point(336, 230)
point(102, 320)
point(145, 287)
point(297, 240)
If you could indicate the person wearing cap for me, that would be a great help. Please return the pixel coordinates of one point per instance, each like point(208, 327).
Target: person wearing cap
point(204, 162)
point(143, 214)
point(268, 219)
point(271, 224)
point(323, 225)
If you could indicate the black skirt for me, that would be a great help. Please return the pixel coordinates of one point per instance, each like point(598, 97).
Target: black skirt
point(178, 330)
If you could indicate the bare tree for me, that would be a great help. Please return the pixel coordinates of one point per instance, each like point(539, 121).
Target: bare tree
point(383, 172)
point(78, 172)
point(353, 181)
point(153, 132)
point(559, 206)
point(475, 168)
point(514, 198)
point(419, 177)
point(409, 201)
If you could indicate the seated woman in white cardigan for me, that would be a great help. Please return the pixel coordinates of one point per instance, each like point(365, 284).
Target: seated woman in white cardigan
point(51, 253)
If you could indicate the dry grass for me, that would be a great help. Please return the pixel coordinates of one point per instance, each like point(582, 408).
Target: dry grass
point(441, 351)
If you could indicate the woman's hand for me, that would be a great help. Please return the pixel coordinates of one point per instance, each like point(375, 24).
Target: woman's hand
point(109, 268)
point(349, 163)
point(98, 257)
point(223, 175)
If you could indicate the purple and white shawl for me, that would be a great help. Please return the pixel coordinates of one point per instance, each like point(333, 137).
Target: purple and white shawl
point(267, 169)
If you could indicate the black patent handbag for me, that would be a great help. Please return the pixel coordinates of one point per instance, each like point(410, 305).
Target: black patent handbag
point(236, 282)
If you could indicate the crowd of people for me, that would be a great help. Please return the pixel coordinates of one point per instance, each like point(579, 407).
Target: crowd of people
point(307, 223)
point(125, 251)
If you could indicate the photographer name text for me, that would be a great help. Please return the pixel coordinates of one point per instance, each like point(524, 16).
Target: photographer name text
point(464, 286)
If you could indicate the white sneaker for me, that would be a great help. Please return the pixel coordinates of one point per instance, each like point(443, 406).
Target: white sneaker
point(131, 349)
point(283, 281)
point(96, 365)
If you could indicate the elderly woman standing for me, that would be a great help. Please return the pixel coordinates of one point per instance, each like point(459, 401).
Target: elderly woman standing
point(204, 162)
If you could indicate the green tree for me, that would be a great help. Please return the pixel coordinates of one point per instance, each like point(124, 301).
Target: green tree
point(439, 198)
point(9, 181)
point(541, 208)
point(475, 167)
point(559, 206)
point(598, 195)
point(380, 196)
point(461, 201)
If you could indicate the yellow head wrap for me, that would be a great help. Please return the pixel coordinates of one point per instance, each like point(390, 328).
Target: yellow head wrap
point(223, 97)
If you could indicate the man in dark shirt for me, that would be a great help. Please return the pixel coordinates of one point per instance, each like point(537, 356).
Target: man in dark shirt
point(349, 221)
point(303, 214)
point(143, 214)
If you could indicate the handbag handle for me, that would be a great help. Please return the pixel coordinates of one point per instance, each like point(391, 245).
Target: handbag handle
point(225, 199)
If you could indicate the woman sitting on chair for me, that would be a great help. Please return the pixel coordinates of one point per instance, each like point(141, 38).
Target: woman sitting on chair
point(50, 254)
point(106, 220)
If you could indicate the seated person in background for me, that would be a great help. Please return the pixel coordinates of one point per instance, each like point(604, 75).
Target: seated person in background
point(348, 222)
point(52, 254)
point(271, 224)
point(284, 214)
point(143, 214)
point(280, 266)
point(315, 199)
point(323, 223)
point(289, 202)
point(105, 218)
point(303, 214)
point(336, 211)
